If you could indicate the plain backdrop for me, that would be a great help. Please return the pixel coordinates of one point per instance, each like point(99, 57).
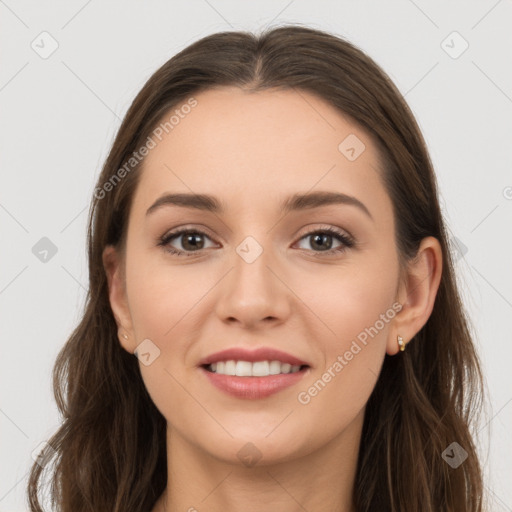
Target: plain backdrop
point(68, 73)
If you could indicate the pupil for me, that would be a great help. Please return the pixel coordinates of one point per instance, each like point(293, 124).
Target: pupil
point(192, 239)
point(322, 237)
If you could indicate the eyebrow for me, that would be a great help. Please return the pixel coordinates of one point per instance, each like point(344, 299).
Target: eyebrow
point(295, 202)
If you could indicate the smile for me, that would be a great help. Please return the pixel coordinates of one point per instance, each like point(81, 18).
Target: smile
point(252, 369)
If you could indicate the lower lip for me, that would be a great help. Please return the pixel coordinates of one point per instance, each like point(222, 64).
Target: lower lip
point(253, 388)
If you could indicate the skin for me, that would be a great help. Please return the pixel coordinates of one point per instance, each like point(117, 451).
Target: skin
point(252, 150)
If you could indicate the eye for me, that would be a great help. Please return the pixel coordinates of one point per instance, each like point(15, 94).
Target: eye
point(323, 238)
point(192, 241)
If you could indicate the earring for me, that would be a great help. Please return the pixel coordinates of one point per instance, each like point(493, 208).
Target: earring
point(401, 343)
point(125, 336)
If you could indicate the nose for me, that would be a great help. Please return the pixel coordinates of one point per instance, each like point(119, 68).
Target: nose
point(254, 291)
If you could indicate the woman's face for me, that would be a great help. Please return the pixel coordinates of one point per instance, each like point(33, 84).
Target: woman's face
point(254, 275)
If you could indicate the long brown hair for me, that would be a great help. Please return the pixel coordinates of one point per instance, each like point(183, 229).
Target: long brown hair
point(110, 451)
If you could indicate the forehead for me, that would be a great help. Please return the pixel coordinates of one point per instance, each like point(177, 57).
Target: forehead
point(237, 144)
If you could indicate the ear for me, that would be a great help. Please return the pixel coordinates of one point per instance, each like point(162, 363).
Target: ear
point(113, 265)
point(417, 293)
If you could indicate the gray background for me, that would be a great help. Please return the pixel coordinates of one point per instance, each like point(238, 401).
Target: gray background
point(59, 115)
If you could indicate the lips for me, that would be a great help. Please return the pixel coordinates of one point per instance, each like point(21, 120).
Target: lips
point(260, 354)
point(253, 387)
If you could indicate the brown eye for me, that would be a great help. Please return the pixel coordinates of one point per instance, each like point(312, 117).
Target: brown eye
point(191, 241)
point(321, 240)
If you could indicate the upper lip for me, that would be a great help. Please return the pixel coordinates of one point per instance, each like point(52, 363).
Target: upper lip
point(259, 354)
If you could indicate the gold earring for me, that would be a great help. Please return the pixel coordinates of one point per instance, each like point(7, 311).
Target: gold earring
point(401, 343)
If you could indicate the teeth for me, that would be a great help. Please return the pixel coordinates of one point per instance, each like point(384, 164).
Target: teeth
point(230, 368)
point(256, 369)
point(242, 368)
point(274, 367)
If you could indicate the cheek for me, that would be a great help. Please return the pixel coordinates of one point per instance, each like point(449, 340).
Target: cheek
point(162, 301)
point(349, 300)
point(355, 307)
point(160, 296)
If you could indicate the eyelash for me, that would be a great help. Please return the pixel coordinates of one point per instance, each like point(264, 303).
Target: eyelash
point(347, 241)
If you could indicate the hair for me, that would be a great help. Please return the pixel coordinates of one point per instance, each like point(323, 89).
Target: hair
point(110, 450)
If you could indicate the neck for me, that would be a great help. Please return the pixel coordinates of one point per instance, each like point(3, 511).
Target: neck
point(321, 481)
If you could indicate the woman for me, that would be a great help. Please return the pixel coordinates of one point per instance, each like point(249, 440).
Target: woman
point(270, 372)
